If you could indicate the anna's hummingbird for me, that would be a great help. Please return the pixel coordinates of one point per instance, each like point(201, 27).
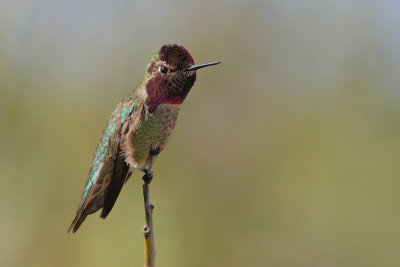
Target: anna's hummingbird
point(138, 129)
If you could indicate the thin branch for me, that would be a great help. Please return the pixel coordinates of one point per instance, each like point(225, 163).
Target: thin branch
point(149, 244)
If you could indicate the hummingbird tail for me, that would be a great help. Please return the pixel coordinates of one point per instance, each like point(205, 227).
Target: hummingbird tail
point(76, 223)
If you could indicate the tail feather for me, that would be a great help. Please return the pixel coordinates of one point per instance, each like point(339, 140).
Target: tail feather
point(78, 220)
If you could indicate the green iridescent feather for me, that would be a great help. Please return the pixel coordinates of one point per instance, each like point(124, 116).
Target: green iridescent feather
point(109, 138)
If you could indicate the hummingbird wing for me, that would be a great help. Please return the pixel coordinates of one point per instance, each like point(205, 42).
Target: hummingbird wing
point(108, 164)
point(121, 171)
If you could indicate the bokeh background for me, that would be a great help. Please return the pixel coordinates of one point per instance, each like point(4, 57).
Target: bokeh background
point(287, 154)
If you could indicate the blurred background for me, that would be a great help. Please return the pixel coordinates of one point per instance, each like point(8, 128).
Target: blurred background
point(286, 154)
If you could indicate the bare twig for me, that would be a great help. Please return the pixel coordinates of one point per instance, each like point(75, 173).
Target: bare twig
point(149, 245)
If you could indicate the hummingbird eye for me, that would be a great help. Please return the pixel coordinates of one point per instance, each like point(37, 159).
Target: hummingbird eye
point(163, 69)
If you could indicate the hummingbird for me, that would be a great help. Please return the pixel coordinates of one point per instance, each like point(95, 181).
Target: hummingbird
point(138, 129)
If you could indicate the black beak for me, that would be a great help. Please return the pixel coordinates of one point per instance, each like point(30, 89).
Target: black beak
point(199, 66)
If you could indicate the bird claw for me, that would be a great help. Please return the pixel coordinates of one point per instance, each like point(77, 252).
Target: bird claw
point(147, 177)
point(155, 152)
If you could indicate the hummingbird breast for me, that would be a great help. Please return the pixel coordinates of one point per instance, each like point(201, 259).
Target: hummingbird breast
point(151, 131)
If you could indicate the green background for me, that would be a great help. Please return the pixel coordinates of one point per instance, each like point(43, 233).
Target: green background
point(286, 154)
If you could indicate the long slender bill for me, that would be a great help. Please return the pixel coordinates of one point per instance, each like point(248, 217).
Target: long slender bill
point(199, 66)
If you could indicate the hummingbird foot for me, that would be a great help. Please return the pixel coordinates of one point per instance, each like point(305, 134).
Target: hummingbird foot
point(155, 152)
point(147, 177)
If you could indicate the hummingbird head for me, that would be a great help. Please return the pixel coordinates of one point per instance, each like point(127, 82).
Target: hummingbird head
point(170, 74)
